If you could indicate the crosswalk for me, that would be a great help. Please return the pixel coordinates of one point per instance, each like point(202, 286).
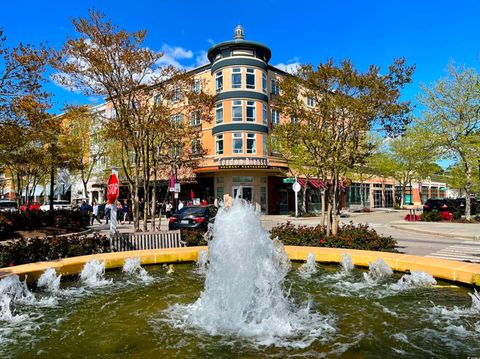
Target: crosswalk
point(466, 251)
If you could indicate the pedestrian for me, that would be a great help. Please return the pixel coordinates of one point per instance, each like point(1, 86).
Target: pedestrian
point(180, 205)
point(85, 208)
point(108, 211)
point(125, 212)
point(95, 213)
point(120, 212)
point(168, 209)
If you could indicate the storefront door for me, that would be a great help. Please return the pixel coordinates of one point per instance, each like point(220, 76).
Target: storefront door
point(245, 192)
point(283, 201)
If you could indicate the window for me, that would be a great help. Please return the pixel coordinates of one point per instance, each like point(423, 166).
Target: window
point(251, 111)
point(177, 94)
point(219, 112)
point(196, 146)
point(219, 145)
point(237, 142)
point(265, 114)
point(251, 143)
point(236, 77)
point(293, 119)
point(250, 78)
point(176, 119)
point(274, 87)
point(275, 117)
point(240, 179)
point(157, 100)
point(195, 118)
point(274, 145)
point(196, 87)
point(310, 102)
point(264, 82)
point(265, 145)
point(219, 81)
point(237, 110)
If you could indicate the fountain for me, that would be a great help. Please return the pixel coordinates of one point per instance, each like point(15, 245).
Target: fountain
point(243, 296)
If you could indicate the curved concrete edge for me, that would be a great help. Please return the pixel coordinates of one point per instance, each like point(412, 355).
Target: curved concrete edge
point(466, 273)
point(405, 227)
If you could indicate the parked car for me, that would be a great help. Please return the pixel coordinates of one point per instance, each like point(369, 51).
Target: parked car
point(8, 206)
point(57, 205)
point(197, 217)
point(31, 206)
point(440, 205)
point(460, 203)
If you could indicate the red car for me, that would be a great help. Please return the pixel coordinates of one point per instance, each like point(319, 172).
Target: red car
point(30, 206)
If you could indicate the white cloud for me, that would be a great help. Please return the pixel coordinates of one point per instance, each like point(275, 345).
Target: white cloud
point(201, 58)
point(210, 41)
point(288, 67)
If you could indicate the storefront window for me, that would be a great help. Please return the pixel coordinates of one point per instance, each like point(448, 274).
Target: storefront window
point(263, 199)
point(219, 179)
point(357, 194)
point(237, 179)
point(220, 192)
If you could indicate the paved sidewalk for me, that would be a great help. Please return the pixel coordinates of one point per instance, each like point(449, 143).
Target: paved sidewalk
point(445, 229)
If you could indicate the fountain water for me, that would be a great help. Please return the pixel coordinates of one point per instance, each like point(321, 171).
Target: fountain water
point(414, 280)
point(202, 262)
point(133, 267)
point(244, 294)
point(378, 271)
point(309, 267)
point(49, 280)
point(347, 264)
point(93, 274)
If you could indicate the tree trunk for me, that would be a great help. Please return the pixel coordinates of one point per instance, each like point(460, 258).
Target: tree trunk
point(304, 199)
point(329, 211)
point(322, 217)
point(335, 205)
point(153, 210)
point(468, 189)
point(85, 184)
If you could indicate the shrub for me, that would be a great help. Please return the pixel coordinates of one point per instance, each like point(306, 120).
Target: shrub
point(412, 218)
point(24, 251)
point(193, 237)
point(432, 216)
point(457, 215)
point(349, 236)
point(446, 216)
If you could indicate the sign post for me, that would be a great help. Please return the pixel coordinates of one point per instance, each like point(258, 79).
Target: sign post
point(112, 195)
point(296, 188)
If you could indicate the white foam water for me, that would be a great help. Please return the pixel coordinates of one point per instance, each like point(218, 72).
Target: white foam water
point(414, 280)
point(13, 290)
point(244, 287)
point(133, 267)
point(49, 280)
point(347, 264)
point(93, 274)
point(378, 271)
point(475, 301)
point(202, 262)
point(309, 267)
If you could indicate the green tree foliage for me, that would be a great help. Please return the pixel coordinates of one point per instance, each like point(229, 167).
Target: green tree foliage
point(345, 104)
point(451, 121)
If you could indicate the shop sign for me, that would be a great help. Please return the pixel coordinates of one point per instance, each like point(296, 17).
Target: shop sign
point(243, 162)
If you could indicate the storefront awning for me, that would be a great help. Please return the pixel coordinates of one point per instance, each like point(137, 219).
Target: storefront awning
point(318, 183)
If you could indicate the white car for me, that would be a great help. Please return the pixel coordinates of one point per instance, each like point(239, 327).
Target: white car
point(8, 206)
point(57, 205)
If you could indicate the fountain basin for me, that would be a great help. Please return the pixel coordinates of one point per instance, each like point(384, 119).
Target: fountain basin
point(465, 273)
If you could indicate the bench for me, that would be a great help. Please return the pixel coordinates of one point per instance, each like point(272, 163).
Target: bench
point(146, 240)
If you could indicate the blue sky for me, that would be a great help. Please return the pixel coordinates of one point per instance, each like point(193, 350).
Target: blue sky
point(429, 34)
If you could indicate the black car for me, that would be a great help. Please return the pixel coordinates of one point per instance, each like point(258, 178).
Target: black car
point(460, 203)
point(197, 217)
point(440, 205)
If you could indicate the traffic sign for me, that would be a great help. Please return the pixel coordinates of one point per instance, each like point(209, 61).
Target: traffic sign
point(296, 187)
point(289, 180)
point(112, 188)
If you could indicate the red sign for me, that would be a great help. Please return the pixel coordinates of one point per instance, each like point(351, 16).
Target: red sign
point(112, 189)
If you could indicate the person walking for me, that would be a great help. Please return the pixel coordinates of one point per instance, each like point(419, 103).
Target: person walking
point(95, 213)
point(108, 211)
point(125, 212)
point(180, 205)
point(120, 212)
point(168, 209)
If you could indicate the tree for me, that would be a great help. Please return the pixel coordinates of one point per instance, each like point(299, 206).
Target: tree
point(107, 61)
point(86, 132)
point(336, 106)
point(451, 120)
point(406, 158)
point(23, 106)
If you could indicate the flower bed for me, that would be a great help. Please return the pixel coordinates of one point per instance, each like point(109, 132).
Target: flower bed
point(24, 251)
point(349, 236)
point(11, 222)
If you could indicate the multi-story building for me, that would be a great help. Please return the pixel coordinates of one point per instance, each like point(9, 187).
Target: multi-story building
point(239, 159)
